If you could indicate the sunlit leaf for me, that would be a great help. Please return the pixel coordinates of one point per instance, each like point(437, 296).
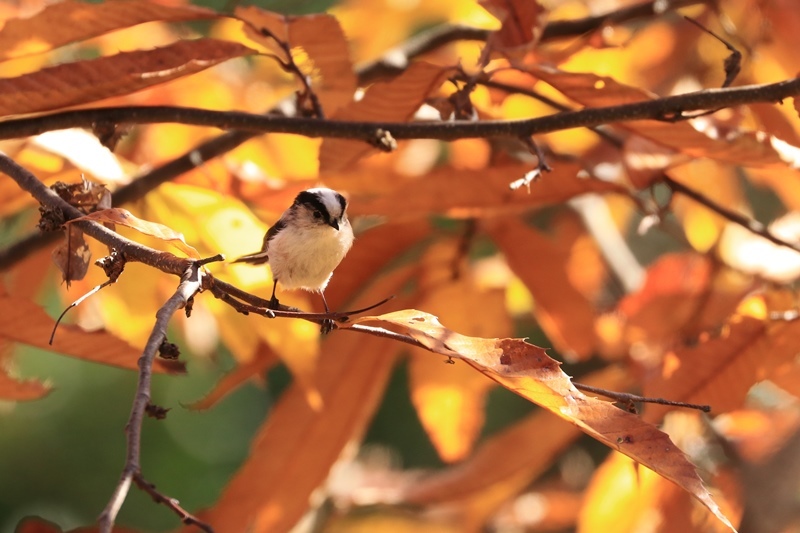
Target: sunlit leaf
point(23, 321)
point(744, 148)
point(720, 370)
point(527, 370)
point(95, 79)
point(482, 483)
point(68, 21)
point(462, 193)
point(523, 21)
point(321, 38)
point(123, 217)
point(566, 315)
point(297, 445)
point(393, 101)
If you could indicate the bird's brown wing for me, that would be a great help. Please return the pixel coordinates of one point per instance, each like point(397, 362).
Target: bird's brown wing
point(262, 257)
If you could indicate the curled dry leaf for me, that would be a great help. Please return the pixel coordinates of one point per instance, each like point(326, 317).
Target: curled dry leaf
point(125, 218)
point(321, 38)
point(392, 101)
point(69, 21)
point(72, 256)
point(528, 371)
point(124, 73)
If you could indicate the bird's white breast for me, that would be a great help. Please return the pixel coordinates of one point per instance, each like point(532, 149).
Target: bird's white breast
point(306, 258)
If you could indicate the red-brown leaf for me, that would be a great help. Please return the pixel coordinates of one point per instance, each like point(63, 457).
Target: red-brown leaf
point(88, 81)
point(393, 101)
point(528, 371)
point(69, 21)
point(23, 321)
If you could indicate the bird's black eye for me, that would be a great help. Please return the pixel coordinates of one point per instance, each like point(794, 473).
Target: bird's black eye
point(317, 215)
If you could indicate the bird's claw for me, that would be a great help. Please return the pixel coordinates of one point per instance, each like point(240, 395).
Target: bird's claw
point(327, 326)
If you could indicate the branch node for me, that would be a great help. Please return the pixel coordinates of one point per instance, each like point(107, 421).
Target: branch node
point(383, 140)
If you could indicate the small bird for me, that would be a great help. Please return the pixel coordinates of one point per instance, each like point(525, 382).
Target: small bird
point(307, 243)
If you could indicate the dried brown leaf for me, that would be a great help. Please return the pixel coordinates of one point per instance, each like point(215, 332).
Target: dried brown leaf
point(69, 21)
point(123, 217)
point(393, 101)
point(91, 80)
point(527, 370)
point(23, 321)
point(72, 256)
point(322, 39)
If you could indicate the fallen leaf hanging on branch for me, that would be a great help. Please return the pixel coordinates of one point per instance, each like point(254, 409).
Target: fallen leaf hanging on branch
point(124, 217)
point(528, 371)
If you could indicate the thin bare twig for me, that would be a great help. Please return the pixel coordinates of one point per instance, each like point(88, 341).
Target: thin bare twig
point(191, 282)
point(174, 505)
point(76, 303)
point(627, 398)
point(754, 226)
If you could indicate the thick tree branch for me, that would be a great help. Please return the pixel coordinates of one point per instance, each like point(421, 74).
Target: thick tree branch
point(657, 109)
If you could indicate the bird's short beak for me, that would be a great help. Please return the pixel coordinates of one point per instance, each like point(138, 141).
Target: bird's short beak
point(334, 224)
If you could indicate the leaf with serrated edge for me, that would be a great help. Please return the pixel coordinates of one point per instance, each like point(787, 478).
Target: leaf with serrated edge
point(69, 21)
point(123, 217)
point(87, 81)
point(17, 390)
point(528, 371)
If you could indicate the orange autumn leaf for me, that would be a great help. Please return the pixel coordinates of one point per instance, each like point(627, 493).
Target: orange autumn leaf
point(463, 193)
point(69, 21)
point(321, 38)
point(527, 370)
point(591, 90)
point(17, 390)
point(391, 101)
point(297, 446)
point(522, 25)
point(720, 370)
point(123, 217)
point(23, 321)
point(480, 484)
point(450, 399)
point(565, 315)
point(124, 73)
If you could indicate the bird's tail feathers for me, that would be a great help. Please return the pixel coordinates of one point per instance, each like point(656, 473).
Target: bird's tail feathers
point(258, 258)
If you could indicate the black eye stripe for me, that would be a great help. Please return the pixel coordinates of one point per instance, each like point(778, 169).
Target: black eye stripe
point(312, 201)
point(342, 201)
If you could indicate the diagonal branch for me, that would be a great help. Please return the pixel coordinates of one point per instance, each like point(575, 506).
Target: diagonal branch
point(191, 282)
